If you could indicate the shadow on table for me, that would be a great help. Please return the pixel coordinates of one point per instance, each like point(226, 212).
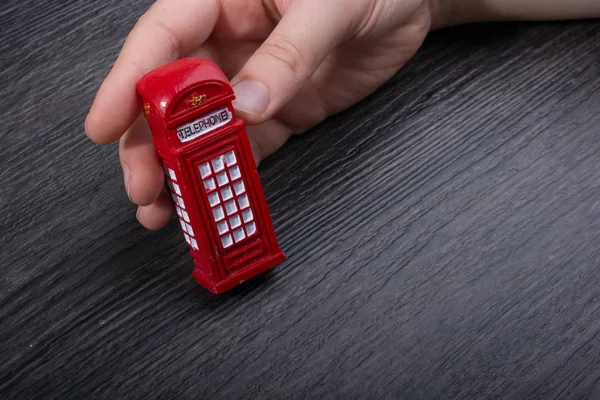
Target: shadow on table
point(213, 302)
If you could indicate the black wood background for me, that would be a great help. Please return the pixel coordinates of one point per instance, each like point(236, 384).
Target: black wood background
point(442, 236)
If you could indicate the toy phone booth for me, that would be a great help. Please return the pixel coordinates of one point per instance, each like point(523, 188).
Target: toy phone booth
point(210, 172)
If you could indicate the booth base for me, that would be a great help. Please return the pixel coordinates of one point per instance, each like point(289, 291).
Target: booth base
point(238, 277)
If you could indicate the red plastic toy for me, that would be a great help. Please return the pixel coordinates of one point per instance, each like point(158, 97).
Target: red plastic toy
point(210, 172)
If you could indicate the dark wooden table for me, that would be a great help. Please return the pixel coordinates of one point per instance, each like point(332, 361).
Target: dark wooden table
point(442, 236)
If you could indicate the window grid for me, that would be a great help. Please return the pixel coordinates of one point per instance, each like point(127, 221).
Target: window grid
point(228, 199)
point(184, 218)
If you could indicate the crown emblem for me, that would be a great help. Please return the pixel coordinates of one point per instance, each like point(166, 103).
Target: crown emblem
point(198, 99)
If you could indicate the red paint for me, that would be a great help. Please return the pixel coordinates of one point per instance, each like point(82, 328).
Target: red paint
point(196, 90)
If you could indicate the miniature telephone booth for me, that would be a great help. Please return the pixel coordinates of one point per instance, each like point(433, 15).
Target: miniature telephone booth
point(210, 172)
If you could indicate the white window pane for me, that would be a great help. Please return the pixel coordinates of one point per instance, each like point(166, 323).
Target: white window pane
point(187, 238)
point(213, 199)
point(230, 207)
point(177, 189)
point(230, 158)
point(172, 174)
point(194, 244)
point(180, 202)
point(239, 187)
point(235, 221)
point(209, 184)
point(226, 193)
point(234, 172)
point(204, 170)
point(238, 235)
point(218, 213)
point(222, 226)
point(247, 215)
point(222, 179)
point(186, 217)
point(250, 228)
point(182, 225)
point(189, 229)
point(227, 241)
point(174, 196)
point(179, 212)
point(218, 164)
point(243, 200)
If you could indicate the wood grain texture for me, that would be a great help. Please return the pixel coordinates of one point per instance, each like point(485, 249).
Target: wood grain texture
point(442, 235)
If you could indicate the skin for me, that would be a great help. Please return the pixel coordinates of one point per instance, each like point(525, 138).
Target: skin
point(292, 63)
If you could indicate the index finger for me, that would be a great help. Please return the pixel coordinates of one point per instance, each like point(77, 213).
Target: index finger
point(168, 30)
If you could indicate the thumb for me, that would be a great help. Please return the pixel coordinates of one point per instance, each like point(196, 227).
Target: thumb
point(307, 33)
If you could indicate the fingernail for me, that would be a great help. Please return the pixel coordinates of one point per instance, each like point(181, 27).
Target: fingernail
point(85, 125)
point(126, 175)
point(251, 97)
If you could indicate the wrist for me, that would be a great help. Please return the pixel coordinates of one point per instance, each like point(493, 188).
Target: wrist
point(446, 13)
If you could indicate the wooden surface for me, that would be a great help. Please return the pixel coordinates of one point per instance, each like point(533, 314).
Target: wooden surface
point(442, 236)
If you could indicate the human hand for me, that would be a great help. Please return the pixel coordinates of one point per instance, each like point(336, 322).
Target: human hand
point(292, 64)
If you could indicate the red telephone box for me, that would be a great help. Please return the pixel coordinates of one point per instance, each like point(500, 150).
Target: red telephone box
point(210, 172)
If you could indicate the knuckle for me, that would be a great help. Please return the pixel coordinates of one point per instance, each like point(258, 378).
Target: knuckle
point(287, 54)
point(134, 65)
point(150, 23)
point(171, 40)
point(370, 17)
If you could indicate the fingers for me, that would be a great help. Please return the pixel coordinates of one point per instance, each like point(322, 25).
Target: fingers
point(267, 138)
point(307, 33)
point(143, 174)
point(169, 30)
point(144, 178)
point(158, 214)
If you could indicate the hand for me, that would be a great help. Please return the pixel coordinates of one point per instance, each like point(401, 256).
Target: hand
point(292, 64)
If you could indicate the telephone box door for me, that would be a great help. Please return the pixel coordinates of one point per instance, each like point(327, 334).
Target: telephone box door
point(231, 206)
